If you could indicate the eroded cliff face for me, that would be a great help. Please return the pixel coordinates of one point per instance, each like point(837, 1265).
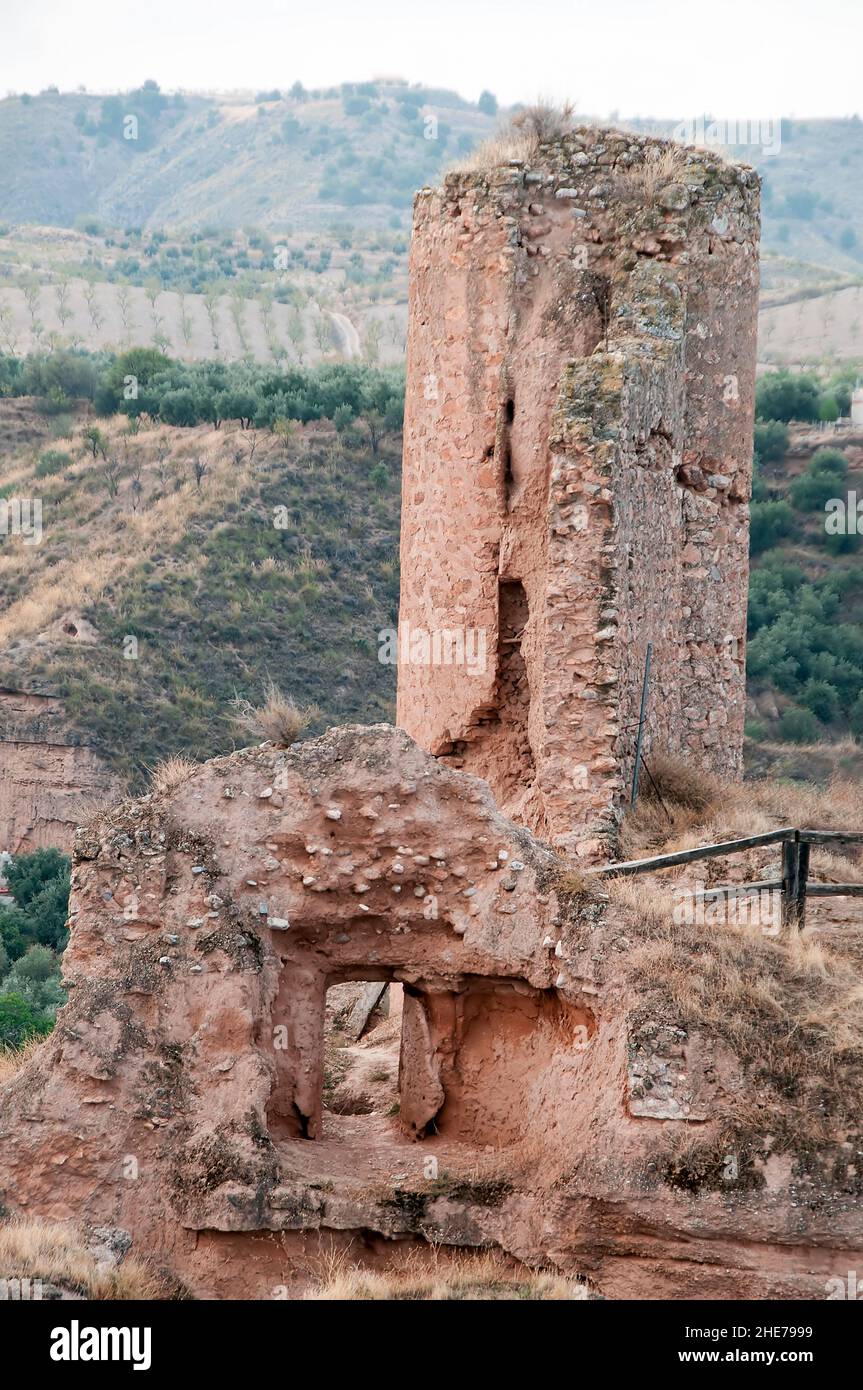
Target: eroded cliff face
point(179, 1098)
point(581, 361)
point(49, 782)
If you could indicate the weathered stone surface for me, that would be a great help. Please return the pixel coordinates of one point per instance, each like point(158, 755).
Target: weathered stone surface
point(578, 439)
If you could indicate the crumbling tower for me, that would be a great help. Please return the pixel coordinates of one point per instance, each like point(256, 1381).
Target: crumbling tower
point(578, 447)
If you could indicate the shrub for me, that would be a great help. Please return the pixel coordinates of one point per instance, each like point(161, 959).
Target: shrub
point(171, 773)
point(769, 523)
point(812, 491)
point(787, 396)
point(179, 408)
point(842, 543)
point(828, 461)
point(821, 698)
point(38, 965)
point(63, 375)
point(798, 726)
point(678, 783)
point(27, 874)
point(51, 462)
point(40, 886)
point(19, 1020)
point(771, 439)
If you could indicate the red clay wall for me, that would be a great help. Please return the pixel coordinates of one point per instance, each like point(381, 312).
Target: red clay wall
point(47, 782)
point(577, 466)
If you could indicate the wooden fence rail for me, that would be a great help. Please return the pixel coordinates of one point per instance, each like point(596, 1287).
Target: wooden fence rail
point(794, 883)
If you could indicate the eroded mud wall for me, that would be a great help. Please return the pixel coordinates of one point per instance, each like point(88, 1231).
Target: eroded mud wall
point(581, 361)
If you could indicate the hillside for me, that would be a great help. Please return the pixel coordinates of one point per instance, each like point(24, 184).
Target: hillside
point(293, 162)
point(812, 327)
point(164, 540)
point(297, 163)
point(805, 654)
point(167, 583)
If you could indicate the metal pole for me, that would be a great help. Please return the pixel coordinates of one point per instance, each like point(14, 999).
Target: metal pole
point(641, 718)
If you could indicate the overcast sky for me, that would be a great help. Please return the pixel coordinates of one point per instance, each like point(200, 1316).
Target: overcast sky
point(737, 58)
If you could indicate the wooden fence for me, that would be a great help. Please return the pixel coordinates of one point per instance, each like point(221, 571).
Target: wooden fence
point(794, 884)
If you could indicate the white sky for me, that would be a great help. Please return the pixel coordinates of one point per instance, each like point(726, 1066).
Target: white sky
point(733, 58)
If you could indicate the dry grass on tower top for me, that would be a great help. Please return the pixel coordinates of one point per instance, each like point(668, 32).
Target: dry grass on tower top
point(520, 138)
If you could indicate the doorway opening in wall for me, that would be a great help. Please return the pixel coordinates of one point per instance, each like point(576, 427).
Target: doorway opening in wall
point(362, 1039)
point(424, 1081)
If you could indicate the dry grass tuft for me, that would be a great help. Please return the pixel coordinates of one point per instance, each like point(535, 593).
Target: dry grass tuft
point(543, 123)
point(576, 884)
point(12, 1059)
point(278, 719)
point(680, 784)
point(167, 776)
point(674, 797)
point(699, 809)
point(55, 1252)
point(537, 125)
point(651, 899)
point(662, 164)
point(483, 1277)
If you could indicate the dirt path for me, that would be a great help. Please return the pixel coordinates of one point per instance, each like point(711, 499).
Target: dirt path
point(347, 337)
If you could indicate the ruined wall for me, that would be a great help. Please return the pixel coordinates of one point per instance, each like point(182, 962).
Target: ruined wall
point(206, 929)
point(48, 781)
point(179, 1097)
point(581, 359)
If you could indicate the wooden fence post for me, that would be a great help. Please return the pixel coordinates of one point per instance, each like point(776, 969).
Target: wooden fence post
point(802, 879)
point(790, 865)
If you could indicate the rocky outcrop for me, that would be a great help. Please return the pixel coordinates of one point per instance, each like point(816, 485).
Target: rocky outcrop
point(578, 446)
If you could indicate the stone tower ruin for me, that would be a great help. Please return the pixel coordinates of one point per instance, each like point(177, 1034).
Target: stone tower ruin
point(577, 468)
point(578, 449)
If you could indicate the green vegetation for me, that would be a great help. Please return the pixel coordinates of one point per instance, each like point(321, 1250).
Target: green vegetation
point(144, 382)
point(32, 938)
point(805, 628)
point(787, 396)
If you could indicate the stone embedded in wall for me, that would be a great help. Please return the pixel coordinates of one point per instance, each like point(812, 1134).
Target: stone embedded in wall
point(660, 1086)
point(581, 358)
